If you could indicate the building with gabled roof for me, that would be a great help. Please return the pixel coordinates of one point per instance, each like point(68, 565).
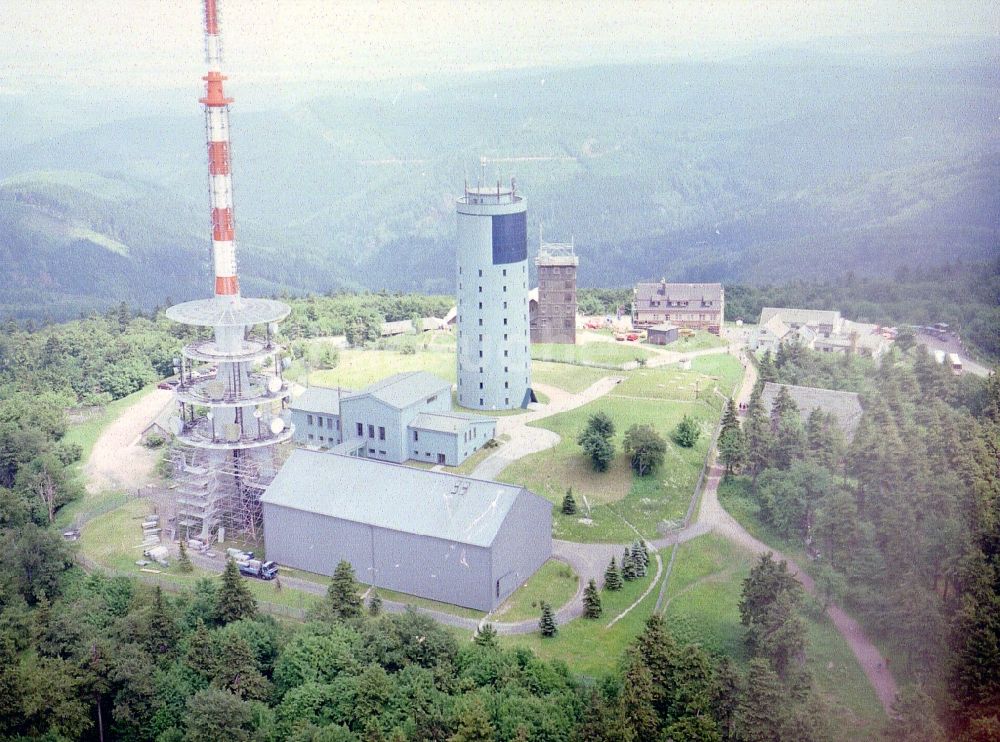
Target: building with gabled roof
point(817, 329)
point(844, 406)
point(459, 540)
point(695, 306)
point(405, 416)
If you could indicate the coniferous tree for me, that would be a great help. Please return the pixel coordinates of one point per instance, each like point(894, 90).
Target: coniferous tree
point(732, 449)
point(612, 577)
point(568, 503)
point(233, 601)
point(600, 450)
point(183, 560)
point(628, 565)
point(640, 557)
point(547, 623)
point(374, 603)
point(591, 600)
point(342, 597)
point(238, 671)
point(486, 636)
point(730, 419)
point(201, 654)
point(162, 632)
point(637, 697)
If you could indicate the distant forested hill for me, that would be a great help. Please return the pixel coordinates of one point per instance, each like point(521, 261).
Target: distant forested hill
point(765, 170)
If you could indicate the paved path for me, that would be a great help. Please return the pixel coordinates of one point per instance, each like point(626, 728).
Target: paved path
point(526, 439)
point(118, 461)
point(713, 516)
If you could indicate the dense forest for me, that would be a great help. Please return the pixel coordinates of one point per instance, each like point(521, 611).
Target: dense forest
point(902, 523)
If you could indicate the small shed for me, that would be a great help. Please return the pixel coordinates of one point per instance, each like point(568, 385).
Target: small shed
point(152, 432)
point(663, 334)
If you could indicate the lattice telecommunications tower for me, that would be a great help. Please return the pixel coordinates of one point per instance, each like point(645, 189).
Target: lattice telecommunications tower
point(230, 394)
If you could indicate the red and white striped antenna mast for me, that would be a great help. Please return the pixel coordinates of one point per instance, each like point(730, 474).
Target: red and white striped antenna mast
point(220, 180)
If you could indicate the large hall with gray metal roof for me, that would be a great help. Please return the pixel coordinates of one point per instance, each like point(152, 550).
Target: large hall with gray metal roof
point(469, 542)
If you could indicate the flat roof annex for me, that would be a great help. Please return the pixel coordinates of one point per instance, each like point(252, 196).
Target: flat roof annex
point(447, 422)
point(394, 497)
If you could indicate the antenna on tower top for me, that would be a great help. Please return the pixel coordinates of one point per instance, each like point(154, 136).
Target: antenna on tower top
point(220, 181)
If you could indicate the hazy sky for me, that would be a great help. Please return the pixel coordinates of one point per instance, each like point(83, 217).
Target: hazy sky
point(159, 42)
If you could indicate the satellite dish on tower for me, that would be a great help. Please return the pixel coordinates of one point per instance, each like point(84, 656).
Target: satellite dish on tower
point(277, 425)
point(274, 385)
point(175, 424)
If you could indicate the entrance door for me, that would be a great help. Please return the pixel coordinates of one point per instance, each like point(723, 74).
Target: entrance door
point(440, 458)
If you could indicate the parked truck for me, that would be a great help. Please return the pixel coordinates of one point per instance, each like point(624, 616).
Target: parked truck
point(259, 569)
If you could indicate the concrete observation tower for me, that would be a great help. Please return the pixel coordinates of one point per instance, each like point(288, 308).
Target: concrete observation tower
point(230, 395)
point(494, 358)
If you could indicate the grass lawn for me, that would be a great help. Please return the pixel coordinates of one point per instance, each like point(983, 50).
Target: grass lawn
point(727, 370)
point(613, 354)
point(567, 376)
point(735, 497)
point(555, 582)
point(429, 604)
point(359, 368)
point(113, 540)
point(703, 606)
point(701, 340)
point(616, 493)
point(588, 646)
point(467, 466)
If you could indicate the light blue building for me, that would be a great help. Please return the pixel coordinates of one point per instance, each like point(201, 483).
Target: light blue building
point(459, 540)
point(494, 358)
point(406, 416)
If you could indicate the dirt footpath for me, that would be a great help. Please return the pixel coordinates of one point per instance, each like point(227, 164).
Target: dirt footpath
point(118, 461)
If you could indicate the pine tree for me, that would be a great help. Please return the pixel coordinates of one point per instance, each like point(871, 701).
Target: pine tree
point(640, 556)
point(233, 601)
point(162, 631)
point(201, 653)
point(183, 560)
point(591, 600)
point(638, 694)
point(374, 603)
point(729, 418)
point(628, 566)
point(342, 598)
point(238, 671)
point(612, 577)
point(568, 503)
point(486, 636)
point(547, 623)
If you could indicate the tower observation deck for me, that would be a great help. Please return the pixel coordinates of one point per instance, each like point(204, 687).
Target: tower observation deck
point(494, 359)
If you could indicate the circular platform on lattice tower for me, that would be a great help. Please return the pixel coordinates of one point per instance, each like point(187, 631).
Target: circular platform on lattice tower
point(224, 312)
